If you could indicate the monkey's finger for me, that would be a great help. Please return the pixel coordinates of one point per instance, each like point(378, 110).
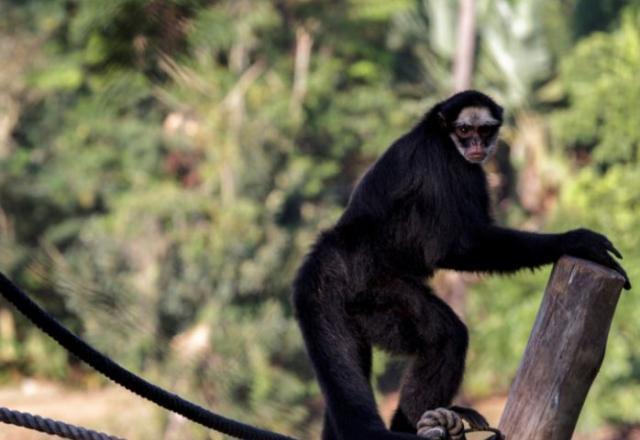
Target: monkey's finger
point(624, 274)
point(609, 261)
point(603, 257)
point(611, 248)
point(613, 264)
point(608, 245)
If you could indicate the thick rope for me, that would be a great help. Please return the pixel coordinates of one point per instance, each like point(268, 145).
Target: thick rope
point(124, 377)
point(49, 426)
point(446, 424)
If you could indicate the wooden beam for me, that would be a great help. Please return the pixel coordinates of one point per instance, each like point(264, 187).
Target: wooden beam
point(564, 353)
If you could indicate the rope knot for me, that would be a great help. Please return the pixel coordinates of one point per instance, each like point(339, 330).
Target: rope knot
point(441, 424)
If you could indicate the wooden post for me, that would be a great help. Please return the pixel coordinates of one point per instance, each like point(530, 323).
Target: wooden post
point(564, 353)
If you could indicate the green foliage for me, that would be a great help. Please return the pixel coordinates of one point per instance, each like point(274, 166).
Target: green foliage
point(513, 56)
point(600, 77)
point(166, 164)
point(614, 396)
point(67, 75)
point(597, 15)
point(500, 317)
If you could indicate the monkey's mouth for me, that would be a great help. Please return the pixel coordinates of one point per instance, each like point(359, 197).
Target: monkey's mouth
point(476, 156)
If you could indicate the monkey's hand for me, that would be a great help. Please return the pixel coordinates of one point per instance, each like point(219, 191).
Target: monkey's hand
point(587, 244)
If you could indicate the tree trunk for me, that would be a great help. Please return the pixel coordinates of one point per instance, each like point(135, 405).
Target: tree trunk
point(465, 47)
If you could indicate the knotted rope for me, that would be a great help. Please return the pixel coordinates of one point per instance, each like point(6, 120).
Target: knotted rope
point(441, 423)
point(445, 424)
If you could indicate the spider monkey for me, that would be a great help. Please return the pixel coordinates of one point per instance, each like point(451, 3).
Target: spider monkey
point(422, 206)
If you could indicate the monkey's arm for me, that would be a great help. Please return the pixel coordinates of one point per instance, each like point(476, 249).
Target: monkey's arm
point(494, 249)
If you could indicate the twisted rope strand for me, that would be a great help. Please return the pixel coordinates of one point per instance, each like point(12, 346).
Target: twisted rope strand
point(50, 426)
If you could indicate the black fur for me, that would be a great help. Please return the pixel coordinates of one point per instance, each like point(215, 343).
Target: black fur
point(420, 207)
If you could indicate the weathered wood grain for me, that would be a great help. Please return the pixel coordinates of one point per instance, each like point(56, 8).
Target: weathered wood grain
point(564, 352)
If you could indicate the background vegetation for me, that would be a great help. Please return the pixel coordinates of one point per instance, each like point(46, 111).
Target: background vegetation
point(165, 165)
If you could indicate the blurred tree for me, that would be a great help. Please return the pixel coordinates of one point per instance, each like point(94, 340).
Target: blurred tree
point(600, 80)
point(596, 15)
point(466, 39)
point(510, 54)
point(173, 164)
point(165, 165)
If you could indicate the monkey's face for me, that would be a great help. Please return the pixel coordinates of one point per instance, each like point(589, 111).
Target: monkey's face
point(474, 133)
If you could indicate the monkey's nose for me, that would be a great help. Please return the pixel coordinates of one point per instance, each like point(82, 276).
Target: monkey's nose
point(476, 146)
point(476, 139)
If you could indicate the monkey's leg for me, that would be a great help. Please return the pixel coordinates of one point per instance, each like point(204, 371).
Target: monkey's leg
point(329, 431)
point(431, 381)
point(404, 317)
point(328, 428)
point(435, 374)
point(340, 355)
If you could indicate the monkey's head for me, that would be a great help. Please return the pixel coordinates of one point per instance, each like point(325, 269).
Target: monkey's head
point(472, 120)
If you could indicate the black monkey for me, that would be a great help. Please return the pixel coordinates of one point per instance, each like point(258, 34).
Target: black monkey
point(422, 206)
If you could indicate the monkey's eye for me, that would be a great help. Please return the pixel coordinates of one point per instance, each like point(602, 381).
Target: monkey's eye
point(487, 130)
point(463, 130)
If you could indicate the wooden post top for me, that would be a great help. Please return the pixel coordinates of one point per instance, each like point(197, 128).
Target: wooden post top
point(564, 352)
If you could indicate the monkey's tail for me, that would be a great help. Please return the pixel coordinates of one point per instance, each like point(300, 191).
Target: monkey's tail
point(126, 378)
